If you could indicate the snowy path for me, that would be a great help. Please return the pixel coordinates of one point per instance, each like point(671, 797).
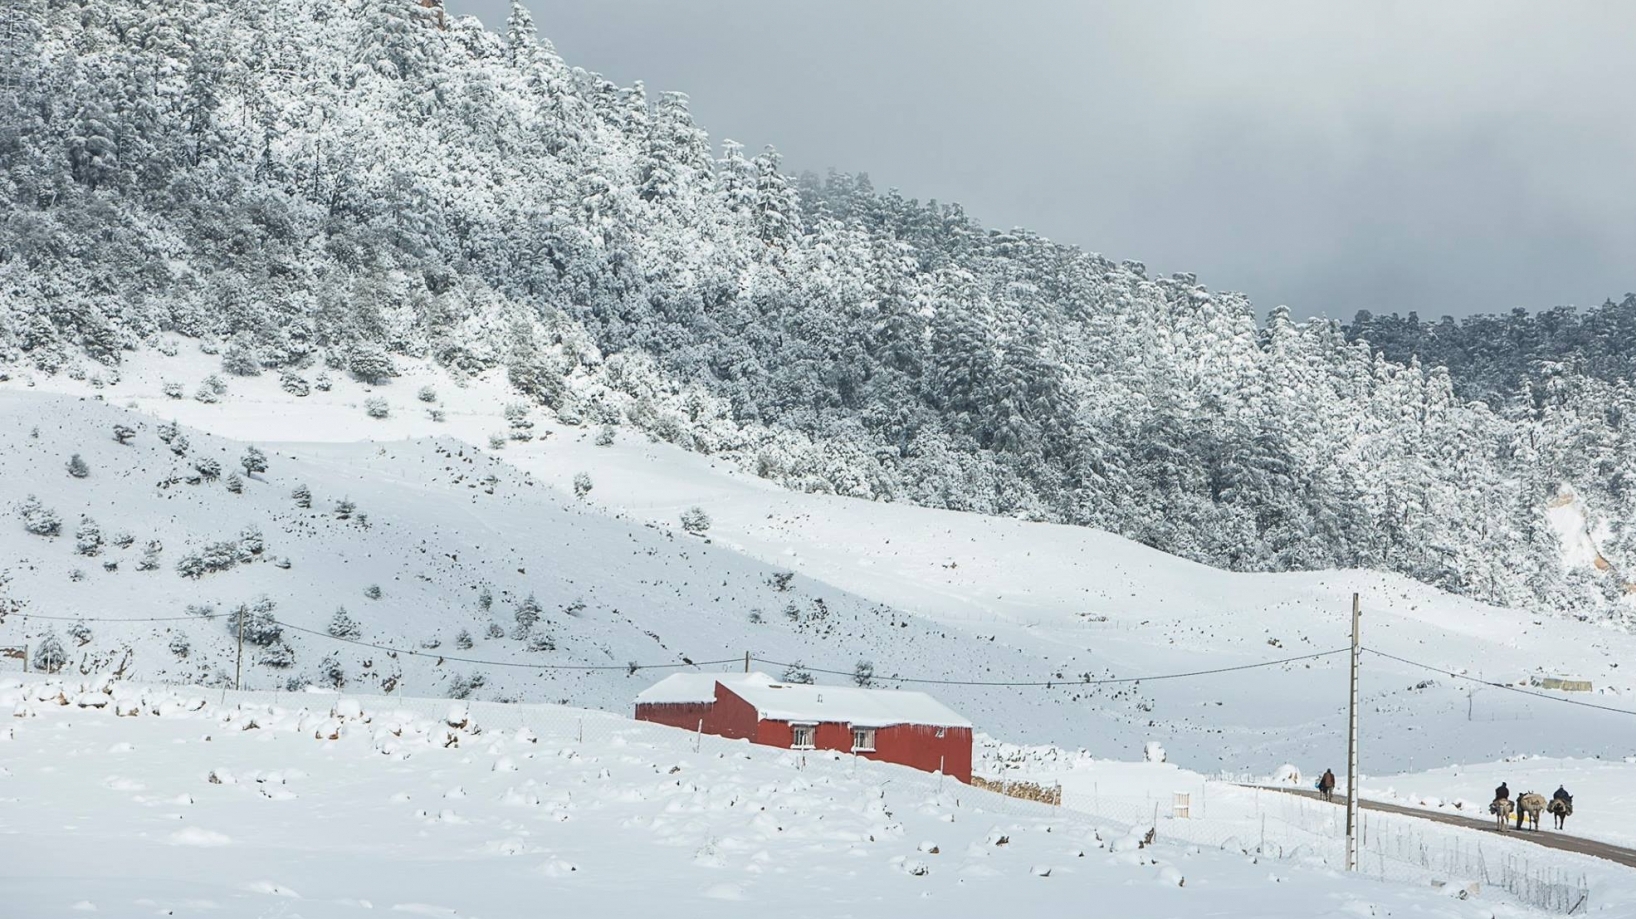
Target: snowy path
point(1543, 837)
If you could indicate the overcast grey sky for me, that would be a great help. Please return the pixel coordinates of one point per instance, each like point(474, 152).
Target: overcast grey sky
point(1450, 157)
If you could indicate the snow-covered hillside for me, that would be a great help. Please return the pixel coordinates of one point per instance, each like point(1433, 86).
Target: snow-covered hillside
point(919, 593)
point(128, 800)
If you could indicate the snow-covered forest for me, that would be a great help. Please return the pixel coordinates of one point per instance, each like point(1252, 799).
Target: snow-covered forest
point(319, 186)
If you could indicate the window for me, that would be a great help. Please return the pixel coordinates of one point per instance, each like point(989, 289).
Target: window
point(801, 736)
point(863, 740)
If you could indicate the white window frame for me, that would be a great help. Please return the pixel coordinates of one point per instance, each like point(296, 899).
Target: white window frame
point(795, 736)
point(868, 733)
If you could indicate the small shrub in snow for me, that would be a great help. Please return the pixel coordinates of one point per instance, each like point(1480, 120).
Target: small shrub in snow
point(88, 538)
point(463, 640)
point(209, 346)
point(322, 382)
point(294, 383)
point(77, 467)
point(755, 617)
point(235, 484)
point(253, 461)
point(122, 540)
point(344, 509)
point(80, 632)
point(342, 625)
point(485, 599)
point(363, 521)
point(527, 615)
point(77, 575)
point(173, 390)
point(605, 436)
point(179, 645)
point(797, 673)
point(208, 467)
point(377, 408)
point(303, 496)
point(202, 610)
point(167, 432)
point(461, 687)
point(39, 519)
point(373, 591)
point(251, 542)
point(582, 484)
point(540, 641)
point(695, 520)
point(215, 384)
point(260, 628)
point(49, 656)
point(436, 414)
point(207, 394)
point(124, 433)
point(432, 643)
point(110, 564)
point(864, 674)
point(371, 364)
point(167, 347)
point(497, 441)
point(277, 655)
point(576, 608)
point(780, 580)
point(240, 360)
point(297, 683)
point(331, 673)
point(216, 556)
point(426, 394)
point(494, 631)
point(150, 556)
point(1153, 752)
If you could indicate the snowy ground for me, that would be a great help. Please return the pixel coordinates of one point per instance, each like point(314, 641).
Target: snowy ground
point(919, 592)
point(127, 800)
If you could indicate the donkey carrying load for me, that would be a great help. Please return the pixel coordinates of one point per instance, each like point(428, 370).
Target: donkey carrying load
point(1561, 809)
point(1501, 809)
point(1532, 804)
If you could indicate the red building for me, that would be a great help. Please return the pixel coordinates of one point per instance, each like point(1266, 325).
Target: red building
point(908, 728)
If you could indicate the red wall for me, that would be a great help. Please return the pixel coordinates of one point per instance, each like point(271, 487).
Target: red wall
point(913, 745)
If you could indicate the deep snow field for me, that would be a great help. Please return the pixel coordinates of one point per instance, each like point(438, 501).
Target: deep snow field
point(918, 592)
point(129, 800)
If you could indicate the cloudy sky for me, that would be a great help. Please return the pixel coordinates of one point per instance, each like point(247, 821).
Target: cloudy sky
point(1449, 158)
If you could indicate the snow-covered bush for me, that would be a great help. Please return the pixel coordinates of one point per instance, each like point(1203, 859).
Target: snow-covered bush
point(527, 615)
point(80, 632)
point(179, 645)
point(253, 461)
point(208, 467)
point(437, 415)
point(241, 360)
point(150, 556)
point(123, 433)
point(173, 390)
point(695, 520)
point(1153, 752)
point(864, 674)
point(207, 395)
point(260, 628)
point(461, 687)
point(322, 382)
point(497, 441)
point(88, 537)
point(331, 673)
point(277, 655)
point(216, 556)
point(39, 519)
point(541, 641)
point(485, 599)
point(303, 496)
point(426, 394)
point(373, 591)
point(77, 467)
point(344, 509)
point(797, 673)
point(582, 484)
point(235, 484)
point(294, 383)
point(376, 407)
point(121, 540)
point(49, 654)
point(463, 641)
point(251, 542)
point(370, 363)
point(605, 436)
point(342, 625)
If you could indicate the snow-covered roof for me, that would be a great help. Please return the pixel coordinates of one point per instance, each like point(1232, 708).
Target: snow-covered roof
point(691, 688)
point(798, 702)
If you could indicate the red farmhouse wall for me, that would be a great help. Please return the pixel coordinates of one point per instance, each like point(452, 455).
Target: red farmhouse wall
point(915, 745)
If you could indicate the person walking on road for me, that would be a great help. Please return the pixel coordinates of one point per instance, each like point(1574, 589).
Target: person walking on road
point(1326, 785)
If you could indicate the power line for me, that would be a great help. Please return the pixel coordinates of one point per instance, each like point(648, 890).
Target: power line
point(1065, 682)
point(1505, 686)
point(189, 618)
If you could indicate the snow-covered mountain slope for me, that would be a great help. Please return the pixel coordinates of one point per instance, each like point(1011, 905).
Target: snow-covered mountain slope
point(124, 800)
point(920, 593)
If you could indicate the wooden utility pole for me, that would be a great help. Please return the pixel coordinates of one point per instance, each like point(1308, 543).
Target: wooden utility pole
point(746, 662)
point(238, 665)
point(1352, 752)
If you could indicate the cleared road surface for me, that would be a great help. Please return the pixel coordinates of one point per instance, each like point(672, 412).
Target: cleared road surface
point(1552, 839)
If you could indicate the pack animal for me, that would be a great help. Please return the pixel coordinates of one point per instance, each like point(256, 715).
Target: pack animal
point(1532, 805)
point(1501, 809)
point(1561, 809)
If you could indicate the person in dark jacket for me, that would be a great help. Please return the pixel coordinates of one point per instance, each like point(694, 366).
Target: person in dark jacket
point(1326, 785)
point(1562, 795)
point(1502, 793)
